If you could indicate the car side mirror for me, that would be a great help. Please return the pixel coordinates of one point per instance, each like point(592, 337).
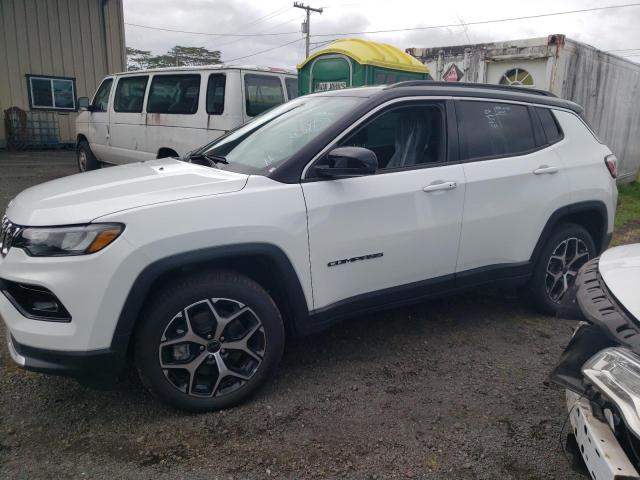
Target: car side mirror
point(83, 104)
point(344, 162)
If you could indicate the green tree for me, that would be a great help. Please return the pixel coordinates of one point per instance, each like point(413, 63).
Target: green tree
point(137, 59)
point(177, 56)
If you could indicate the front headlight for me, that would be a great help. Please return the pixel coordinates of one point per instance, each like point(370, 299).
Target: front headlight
point(62, 241)
point(615, 372)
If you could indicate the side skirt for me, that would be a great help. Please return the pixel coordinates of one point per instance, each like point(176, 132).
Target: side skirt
point(515, 274)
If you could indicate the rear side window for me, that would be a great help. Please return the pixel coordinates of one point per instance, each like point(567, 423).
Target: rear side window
point(101, 98)
point(493, 129)
point(262, 92)
point(292, 87)
point(174, 94)
point(549, 125)
point(215, 93)
point(130, 94)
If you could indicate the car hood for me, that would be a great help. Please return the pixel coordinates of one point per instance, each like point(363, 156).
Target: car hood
point(84, 197)
point(620, 270)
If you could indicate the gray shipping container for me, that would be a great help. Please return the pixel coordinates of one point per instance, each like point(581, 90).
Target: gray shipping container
point(607, 86)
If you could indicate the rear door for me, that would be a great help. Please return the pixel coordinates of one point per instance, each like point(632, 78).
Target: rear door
point(396, 228)
point(515, 181)
point(127, 121)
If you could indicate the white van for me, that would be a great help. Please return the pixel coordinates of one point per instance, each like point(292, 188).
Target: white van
point(167, 112)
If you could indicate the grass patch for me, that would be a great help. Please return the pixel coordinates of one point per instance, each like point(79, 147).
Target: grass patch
point(628, 203)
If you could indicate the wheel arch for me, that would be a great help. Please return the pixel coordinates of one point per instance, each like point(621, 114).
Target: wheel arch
point(165, 152)
point(265, 263)
point(592, 215)
point(81, 138)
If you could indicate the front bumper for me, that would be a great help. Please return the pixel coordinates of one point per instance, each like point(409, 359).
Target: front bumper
point(600, 308)
point(100, 367)
point(602, 454)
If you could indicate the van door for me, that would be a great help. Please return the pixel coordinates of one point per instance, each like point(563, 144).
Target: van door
point(127, 121)
point(98, 126)
point(174, 114)
point(223, 103)
point(262, 91)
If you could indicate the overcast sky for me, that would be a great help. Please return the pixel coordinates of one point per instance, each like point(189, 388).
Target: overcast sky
point(606, 29)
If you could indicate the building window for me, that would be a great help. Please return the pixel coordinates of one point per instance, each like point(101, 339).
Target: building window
point(518, 77)
point(52, 93)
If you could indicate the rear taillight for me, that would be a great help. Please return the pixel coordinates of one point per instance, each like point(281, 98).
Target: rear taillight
point(612, 165)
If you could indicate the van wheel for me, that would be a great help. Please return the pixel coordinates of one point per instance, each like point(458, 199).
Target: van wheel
point(208, 341)
point(568, 249)
point(86, 159)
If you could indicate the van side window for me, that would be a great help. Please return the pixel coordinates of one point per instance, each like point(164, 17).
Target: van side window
point(174, 94)
point(488, 130)
point(406, 137)
point(549, 125)
point(292, 88)
point(262, 92)
point(215, 93)
point(101, 98)
point(130, 94)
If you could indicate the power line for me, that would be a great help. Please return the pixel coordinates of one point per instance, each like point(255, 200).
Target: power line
point(209, 34)
point(264, 51)
point(483, 22)
point(624, 50)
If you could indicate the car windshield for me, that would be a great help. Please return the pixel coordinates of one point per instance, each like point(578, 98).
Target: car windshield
point(266, 142)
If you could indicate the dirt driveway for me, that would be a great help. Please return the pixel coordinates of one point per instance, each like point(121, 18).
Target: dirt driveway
point(452, 389)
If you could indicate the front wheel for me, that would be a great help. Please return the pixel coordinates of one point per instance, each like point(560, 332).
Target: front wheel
point(86, 159)
point(208, 341)
point(564, 253)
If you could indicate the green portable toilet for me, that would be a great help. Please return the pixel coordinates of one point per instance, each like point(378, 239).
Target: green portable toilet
point(351, 62)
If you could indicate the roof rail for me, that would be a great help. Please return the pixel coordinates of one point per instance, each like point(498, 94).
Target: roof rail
point(483, 86)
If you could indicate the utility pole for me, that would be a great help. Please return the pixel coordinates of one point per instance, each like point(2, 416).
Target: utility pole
point(306, 27)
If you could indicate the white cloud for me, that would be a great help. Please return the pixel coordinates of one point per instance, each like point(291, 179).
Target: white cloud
point(605, 29)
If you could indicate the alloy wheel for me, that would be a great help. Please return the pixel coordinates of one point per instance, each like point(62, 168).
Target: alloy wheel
point(212, 347)
point(565, 261)
point(82, 160)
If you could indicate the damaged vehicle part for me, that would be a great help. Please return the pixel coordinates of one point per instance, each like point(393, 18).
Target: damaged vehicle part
point(600, 368)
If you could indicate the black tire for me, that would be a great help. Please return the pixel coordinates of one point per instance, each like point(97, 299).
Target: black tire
point(547, 285)
point(173, 304)
point(85, 157)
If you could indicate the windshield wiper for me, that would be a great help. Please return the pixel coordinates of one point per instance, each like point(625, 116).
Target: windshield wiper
point(212, 160)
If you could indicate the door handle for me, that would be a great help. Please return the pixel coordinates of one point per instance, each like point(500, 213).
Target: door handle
point(542, 169)
point(434, 187)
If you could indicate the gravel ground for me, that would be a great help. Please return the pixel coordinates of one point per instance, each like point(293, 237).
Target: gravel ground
point(451, 389)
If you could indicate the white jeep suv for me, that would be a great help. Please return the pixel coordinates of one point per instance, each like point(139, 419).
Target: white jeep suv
point(331, 205)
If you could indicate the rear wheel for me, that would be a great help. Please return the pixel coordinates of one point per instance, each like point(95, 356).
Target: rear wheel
point(566, 251)
point(86, 159)
point(208, 341)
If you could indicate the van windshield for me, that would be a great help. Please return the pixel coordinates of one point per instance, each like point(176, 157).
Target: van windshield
point(266, 142)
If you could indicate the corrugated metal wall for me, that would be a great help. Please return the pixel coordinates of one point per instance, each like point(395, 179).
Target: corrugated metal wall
point(608, 87)
point(83, 39)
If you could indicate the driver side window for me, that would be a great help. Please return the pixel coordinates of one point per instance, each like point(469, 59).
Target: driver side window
point(405, 137)
point(101, 98)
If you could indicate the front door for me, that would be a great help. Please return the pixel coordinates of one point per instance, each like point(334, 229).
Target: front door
point(396, 228)
point(98, 127)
